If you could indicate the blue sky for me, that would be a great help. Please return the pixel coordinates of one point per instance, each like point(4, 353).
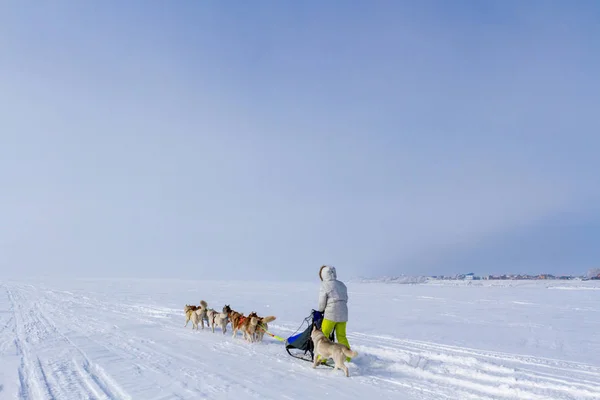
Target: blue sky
point(262, 139)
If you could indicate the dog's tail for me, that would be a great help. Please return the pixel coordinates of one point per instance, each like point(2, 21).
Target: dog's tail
point(268, 319)
point(349, 353)
point(203, 303)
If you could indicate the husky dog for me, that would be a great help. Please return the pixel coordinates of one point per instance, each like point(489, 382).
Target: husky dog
point(199, 315)
point(244, 326)
point(188, 310)
point(210, 317)
point(236, 319)
point(258, 326)
point(326, 349)
point(218, 319)
point(223, 318)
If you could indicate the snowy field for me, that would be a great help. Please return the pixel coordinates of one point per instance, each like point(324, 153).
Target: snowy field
point(107, 339)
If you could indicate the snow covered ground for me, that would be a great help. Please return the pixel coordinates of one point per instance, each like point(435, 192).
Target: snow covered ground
point(109, 339)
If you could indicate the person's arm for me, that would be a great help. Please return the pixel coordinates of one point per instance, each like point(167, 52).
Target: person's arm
point(322, 299)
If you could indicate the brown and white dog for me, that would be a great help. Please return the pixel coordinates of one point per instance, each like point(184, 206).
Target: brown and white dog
point(258, 327)
point(196, 314)
point(246, 327)
point(188, 309)
point(236, 319)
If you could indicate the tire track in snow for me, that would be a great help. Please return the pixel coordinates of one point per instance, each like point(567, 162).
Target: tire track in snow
point(549, 363)
point(7, 325)
point(108, 386)
point(538, 364)
point(45, 379)
point(483, 373)
point(30, 386)
point(43, 375)
point(92, 373)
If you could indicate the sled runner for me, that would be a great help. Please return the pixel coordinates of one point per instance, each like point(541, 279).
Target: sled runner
point(300, 345)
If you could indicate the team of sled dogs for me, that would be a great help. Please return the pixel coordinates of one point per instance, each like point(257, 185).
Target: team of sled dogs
point(252, 326)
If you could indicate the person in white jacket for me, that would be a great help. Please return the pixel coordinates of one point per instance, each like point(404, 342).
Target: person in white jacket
point(333, 303)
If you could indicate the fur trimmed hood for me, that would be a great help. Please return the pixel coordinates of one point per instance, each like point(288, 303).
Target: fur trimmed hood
point(327, 273)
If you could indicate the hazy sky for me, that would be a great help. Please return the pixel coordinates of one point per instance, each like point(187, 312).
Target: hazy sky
point(262, 139)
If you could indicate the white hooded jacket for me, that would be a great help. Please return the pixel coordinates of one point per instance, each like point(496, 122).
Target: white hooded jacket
point(333, 296)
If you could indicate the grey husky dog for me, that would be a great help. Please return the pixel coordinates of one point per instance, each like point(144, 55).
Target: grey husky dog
point(220, 319)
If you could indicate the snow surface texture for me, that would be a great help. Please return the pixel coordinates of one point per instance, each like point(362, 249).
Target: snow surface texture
point(108, 339)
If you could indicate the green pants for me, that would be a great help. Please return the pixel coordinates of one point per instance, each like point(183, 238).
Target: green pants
point(340, 332)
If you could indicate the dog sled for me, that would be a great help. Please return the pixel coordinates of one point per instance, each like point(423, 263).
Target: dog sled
point(300, 344)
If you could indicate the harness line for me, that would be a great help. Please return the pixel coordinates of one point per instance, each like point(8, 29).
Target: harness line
point(261, 326)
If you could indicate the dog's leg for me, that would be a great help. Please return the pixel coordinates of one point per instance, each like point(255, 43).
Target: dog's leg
point(345, 368)
point(316, 362)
